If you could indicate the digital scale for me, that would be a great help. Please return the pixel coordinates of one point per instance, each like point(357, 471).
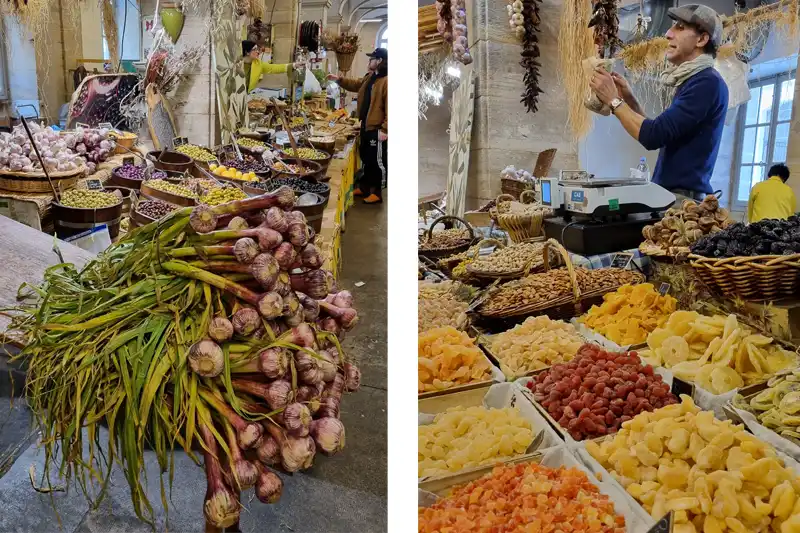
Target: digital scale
point(600, 215)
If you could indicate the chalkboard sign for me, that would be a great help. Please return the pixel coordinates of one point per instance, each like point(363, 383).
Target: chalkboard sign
point(179, 141)
point(106, 125)
point(664, 289)
point(664, 525)
point(94, 185)
point(621, 260)
point(129, 160)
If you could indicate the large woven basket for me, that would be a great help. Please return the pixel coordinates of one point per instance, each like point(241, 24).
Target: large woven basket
point(521, 227)
point(565, 306)
point(345, 61)
point(531, 267)
point(762, 277)
point(514, 187)
point(36, 182)
point(438, 253)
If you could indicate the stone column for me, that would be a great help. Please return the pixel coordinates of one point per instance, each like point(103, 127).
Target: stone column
point(793, 148)
point(503, 133)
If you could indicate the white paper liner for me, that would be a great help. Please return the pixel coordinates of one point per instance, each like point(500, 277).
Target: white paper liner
point(596, 338)
point(636, 519)
point(789, 451)
point(501, 395)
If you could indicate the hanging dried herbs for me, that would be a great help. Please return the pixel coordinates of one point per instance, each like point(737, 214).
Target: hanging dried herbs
point(530, 55)
point(605, 22)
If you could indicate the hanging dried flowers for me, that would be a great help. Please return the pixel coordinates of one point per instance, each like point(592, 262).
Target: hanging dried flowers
point(606, 27)
point(530, 53)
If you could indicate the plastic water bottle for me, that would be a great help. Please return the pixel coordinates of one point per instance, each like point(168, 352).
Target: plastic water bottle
point(643, 169)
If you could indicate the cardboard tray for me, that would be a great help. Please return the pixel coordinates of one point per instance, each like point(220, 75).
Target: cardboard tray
point(677, 385)
point(497, 396)
point(497, 377)
point(636, 518)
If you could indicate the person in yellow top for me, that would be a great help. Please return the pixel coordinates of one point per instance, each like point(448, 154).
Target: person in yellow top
point(772, 198)
point(254, 68)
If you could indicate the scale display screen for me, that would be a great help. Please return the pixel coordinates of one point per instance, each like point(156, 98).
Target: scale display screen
point(546, 193)
point(577, 196)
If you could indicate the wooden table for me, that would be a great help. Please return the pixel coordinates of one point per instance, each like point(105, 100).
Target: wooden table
point(27, 253)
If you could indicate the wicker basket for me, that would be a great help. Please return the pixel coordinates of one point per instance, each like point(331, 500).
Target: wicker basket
point(565, 306)
point(438, 253)
point(531, 267)
point(762, 277)
point(345, 61)
point(521, 227)
point(514, 187)
point(36, 182)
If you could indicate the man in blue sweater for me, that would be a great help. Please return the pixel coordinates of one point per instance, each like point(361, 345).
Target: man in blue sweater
point(688, 132)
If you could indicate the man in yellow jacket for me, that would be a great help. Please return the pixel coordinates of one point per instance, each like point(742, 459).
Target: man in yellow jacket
point(254, 68)
point(772, 198)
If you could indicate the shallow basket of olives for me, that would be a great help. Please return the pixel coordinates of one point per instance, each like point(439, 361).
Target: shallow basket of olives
point(290, 168)
point(443, 243)
point(170, 191)
point(298, 185)
point(309, 155)
point(147, 211)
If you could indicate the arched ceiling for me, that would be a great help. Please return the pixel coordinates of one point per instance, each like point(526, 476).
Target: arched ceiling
point(354, 12)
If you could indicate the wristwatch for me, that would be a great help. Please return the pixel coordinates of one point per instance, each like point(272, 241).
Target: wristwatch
point(615, 103)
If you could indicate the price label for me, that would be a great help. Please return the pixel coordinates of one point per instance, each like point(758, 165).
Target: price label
point(621, 260)
point(94, 185)
point(106, 125)
point(128, 160)
point(664, 289)
point(613, 204)
point(664, 525)
point(179, 141)
point(82, 125)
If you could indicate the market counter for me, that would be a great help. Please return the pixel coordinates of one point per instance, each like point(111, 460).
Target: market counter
point(341, 173)
point(28, 254)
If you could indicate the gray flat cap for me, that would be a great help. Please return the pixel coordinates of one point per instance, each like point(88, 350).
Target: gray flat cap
point(702, 17)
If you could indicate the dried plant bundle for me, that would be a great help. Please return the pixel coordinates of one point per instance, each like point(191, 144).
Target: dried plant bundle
point(575, 43)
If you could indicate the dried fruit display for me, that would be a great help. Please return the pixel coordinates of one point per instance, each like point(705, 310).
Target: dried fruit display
point(765, 237)
point(716, 353)
point(448, 357)
point(630, 313)
point(462, 438)
point(684, 226)
point(524, 497)
point(544, 287)
point(596, 392)
point(438, 307)
point(715, 476)
point(778, 406)
point(537, 343)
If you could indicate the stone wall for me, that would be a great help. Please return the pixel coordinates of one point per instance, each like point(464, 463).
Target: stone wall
point(433, 145)
point(503, 134)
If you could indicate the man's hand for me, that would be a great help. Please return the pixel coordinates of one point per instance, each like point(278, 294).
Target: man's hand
point(333, 77)
point(604, 86)
point(382, 136)
point(622, 86)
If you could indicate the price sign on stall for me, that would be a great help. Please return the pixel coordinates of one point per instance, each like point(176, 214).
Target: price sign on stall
point(94, 185)
point(664, 289)
point(613, 204)
point(81, 125)
point(664, 525)
point(106, 125)
point(621, 260)
point(179, 141)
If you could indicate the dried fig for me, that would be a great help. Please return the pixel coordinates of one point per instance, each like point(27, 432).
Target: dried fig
point(670, 223)
point(711, 202)
point(721, 215)
point(728, 222)
point(690, 225)
point(692, 236)
point(687, 204)
point(706, 223)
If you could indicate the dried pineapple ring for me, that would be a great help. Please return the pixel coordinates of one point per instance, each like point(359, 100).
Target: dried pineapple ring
point(674, 350)
point(724, 379)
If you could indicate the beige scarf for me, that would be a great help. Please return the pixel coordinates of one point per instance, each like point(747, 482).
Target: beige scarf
point(674, 77)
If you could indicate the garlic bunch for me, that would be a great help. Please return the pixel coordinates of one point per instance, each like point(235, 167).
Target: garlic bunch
point(513, 173)
point(460, 44)
point(516, 18)
point(17, 153)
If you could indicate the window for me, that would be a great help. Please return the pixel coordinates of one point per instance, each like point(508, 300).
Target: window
point(763, 132)
point(383, 37)
point(128, 17)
